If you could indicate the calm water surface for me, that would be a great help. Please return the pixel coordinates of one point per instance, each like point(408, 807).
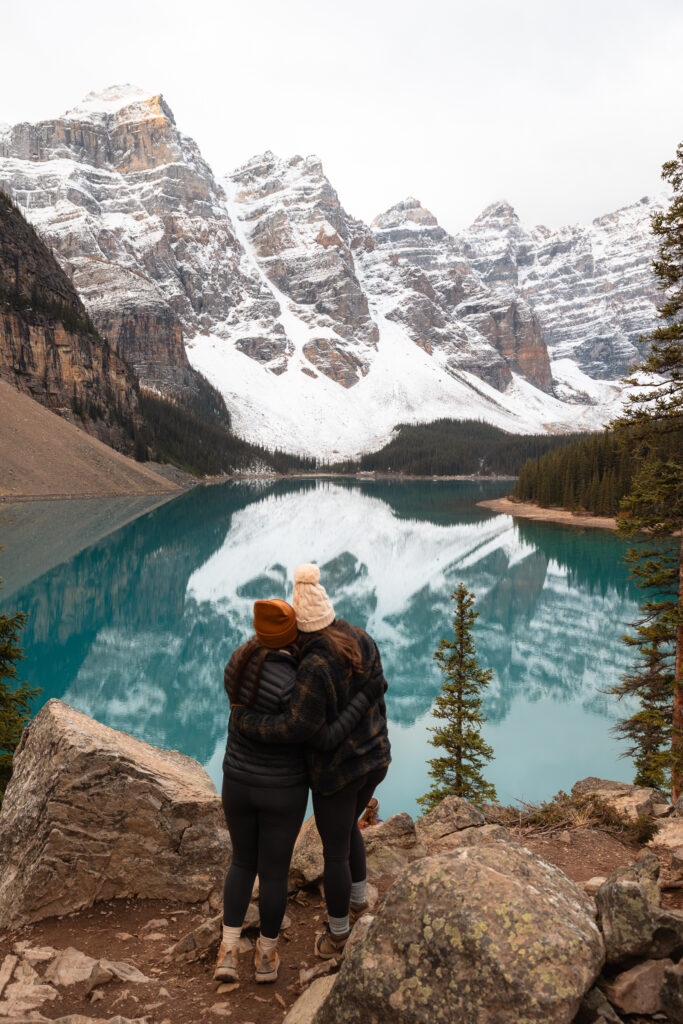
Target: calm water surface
point(135, 628)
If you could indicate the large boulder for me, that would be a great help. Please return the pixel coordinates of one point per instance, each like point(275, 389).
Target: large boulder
point(452, 814)
point(94, 814)
point(392, 845)
point(454, 823)
point(482, 934)
point(632, 921)
point(629, 802)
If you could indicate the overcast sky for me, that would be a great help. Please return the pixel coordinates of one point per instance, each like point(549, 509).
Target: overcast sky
point(565, 109)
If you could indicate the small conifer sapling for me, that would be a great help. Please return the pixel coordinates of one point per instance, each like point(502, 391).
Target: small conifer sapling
point(458, 772)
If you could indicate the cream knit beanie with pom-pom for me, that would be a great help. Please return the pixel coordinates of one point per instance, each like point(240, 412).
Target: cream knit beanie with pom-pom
point(310, 601)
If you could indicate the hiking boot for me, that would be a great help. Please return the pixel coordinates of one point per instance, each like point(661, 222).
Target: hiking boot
point(357, 910)
point(226, 966)
point(265, 965)
point(327, 946)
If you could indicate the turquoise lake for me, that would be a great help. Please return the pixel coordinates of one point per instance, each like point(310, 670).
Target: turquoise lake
point(133, 623)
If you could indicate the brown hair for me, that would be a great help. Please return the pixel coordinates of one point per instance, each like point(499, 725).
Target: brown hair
point(344, 645)
point(252, 648)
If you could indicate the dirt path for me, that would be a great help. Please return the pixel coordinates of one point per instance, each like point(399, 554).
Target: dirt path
point(527, 510)
point(187, 994)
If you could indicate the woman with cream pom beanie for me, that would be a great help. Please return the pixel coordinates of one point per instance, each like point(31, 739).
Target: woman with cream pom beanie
point(265, 786)
point(337, 662)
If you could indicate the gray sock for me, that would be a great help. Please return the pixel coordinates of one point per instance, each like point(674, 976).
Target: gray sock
point(339, 925)
point(358, 890)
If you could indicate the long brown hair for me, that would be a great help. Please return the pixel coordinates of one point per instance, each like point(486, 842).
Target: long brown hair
point(252, 649)
point(344, 646)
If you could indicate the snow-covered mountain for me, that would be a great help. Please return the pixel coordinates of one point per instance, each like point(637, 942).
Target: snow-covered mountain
point(322, 332)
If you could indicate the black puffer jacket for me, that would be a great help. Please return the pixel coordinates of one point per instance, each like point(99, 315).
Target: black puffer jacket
point(323, 692)
point(251, 761)
point(247, 760)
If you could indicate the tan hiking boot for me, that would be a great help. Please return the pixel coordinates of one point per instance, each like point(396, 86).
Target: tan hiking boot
point(357, 910)
point(266, 965)
point(226, 965)
point(327, 946)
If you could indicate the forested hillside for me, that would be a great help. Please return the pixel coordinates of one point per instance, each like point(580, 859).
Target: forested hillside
point(591, 473)
point(456, 447)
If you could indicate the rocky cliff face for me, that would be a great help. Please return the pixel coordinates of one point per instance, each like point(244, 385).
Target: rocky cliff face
point(48, 346)
point(417, 272)
point(296, 230)
point(591, 286)
point(321, 332)
point(136, 217)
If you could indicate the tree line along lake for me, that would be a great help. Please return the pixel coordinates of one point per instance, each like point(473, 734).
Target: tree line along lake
point(134, 625)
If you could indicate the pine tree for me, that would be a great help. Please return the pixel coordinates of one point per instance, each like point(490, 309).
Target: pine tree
point(652, 429)
point(459, 706)
point(15, 698)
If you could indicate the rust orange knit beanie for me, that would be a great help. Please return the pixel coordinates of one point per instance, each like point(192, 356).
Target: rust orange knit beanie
point(274, 623)
point(312, 605)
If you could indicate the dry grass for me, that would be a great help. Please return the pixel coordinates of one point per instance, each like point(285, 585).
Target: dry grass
point(570, 812)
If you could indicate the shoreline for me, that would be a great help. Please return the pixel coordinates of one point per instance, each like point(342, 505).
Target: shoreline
point(527, 510)
point(188, 484)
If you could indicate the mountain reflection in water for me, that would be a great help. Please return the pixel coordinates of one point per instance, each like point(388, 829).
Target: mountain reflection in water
point(136, 629)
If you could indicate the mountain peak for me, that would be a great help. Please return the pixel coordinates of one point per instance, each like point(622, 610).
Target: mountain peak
point(139, 105)
point(498, 213)
point(409, 212)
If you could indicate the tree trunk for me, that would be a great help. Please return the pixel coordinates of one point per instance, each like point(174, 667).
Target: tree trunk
point(677, 737)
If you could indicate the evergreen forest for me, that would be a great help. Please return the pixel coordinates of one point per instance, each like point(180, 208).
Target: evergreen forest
point(449, 447)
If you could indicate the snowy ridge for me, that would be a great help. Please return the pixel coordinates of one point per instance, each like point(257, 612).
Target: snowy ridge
point(324, 333)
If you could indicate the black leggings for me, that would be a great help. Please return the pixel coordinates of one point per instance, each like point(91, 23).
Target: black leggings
point(337, 819)
point(263, 825)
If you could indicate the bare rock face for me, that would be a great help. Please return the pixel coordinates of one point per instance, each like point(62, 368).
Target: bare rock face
point(301, 238)
point(48, 346)
point(492, 933)
point(591, 286)
point(136, 218)
point(94, 814)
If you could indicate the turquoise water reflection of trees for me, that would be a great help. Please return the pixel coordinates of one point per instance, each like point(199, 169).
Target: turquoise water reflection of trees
point(136, 629)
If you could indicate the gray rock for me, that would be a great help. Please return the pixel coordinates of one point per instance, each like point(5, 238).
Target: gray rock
point(311, 1001)
point(632, 922)
point(358, 932)
point(307, 865)
point(70, 967)
point(451, 815)
point(638, 989)
point(593, 884)
point(669, 834)
point(485, 933)
point(677, 862)
point(595, 1008)
point(671, 992)
point(392, 845)
point(94, 814)
point(630, 802)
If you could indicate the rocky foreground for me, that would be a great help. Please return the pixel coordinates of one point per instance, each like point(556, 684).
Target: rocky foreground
point(113, 854)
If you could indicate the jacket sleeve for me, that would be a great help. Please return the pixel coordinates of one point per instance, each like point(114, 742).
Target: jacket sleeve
point(333, 733)
point(307, 710)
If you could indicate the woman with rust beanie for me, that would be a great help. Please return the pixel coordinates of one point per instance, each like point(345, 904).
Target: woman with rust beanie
point(337, 661)
point(265, 786)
